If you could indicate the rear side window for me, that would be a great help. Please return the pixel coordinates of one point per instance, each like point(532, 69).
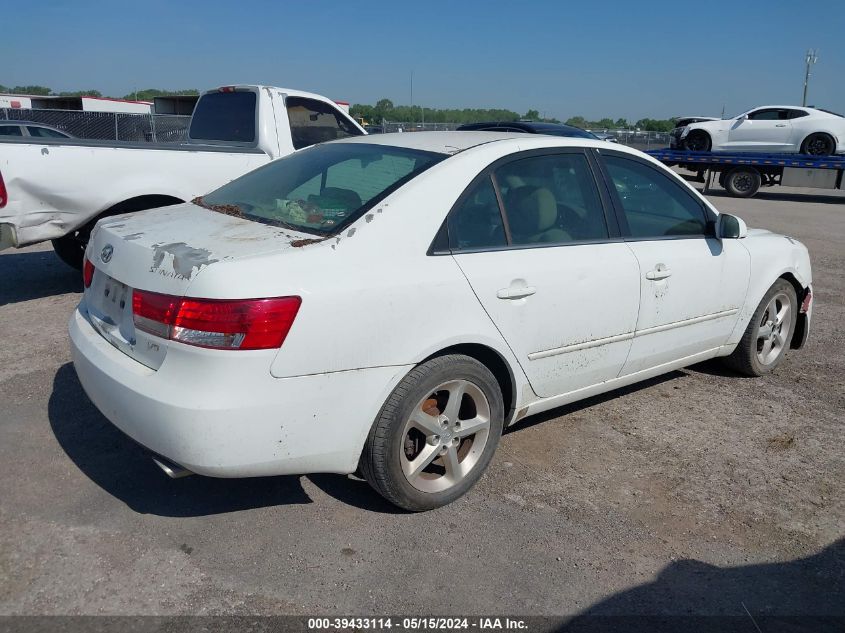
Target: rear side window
point(477, 221)
point(797, 114)
point(654, 205)
point(321, 189)
point(224, 116)
point(551, 200)
point(313, 122)
point(10, 130)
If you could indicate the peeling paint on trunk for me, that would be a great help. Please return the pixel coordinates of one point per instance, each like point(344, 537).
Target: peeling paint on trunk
point(185, 258)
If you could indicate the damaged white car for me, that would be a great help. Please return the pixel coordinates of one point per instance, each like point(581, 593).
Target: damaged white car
point(388, 304)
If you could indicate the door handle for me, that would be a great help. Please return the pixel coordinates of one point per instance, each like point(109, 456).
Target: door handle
point(516, 292)
point(660, 272)
point(780, 125)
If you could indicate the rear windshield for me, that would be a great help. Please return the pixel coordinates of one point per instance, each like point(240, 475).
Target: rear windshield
point(321, 189)
point(224, 116)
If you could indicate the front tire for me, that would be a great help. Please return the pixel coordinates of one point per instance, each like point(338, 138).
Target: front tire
point(818, 145)
point(698, 141)
point(765, 341)
point(436, 434)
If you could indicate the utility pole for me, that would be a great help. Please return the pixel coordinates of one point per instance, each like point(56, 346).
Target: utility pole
point(811, 58)
point(412, 91)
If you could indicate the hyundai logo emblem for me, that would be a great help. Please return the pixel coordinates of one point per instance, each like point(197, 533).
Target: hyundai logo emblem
point(106, 253)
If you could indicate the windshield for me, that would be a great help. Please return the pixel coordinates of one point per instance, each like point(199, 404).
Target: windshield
point(320, 189)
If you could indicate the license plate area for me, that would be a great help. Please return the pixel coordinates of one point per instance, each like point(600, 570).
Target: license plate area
point(115, 301)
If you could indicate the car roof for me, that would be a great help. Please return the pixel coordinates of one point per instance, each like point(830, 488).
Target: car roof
point(440, 142)
point(457, 141)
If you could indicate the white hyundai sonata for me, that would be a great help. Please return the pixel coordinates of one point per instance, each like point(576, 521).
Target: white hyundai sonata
point(387, 304)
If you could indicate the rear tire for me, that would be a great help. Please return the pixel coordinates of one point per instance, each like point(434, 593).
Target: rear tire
point(698, 141)
point(818, 144)
point(436, 434)
point(768, 334)
point(70, 249)
point(742, 182)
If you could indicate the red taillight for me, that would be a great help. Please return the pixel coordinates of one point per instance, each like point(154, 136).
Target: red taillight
point(4, 197)
point(87, 272)
point(216, 323)
point(226, 89)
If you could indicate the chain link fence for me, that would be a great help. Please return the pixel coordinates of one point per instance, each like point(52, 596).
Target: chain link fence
point(171, 128)
point(108, 126)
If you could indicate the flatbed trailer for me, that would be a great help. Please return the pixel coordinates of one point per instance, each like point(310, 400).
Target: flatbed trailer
point(743, 173)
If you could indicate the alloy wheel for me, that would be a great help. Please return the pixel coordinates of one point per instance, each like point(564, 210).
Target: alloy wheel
point(774, 328)
point(445, 435)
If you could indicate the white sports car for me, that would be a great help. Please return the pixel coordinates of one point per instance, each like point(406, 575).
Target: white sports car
point(769, 129)
point(388, 304)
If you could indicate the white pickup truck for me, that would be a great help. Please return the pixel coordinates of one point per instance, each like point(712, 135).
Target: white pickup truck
point(57, 189)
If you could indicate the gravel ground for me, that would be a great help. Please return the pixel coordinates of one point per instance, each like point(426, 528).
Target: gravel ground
point(699, 492)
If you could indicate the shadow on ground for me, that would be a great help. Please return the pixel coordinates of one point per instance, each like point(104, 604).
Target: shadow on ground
point(34, 275)
point(805, 594)
point(124, 469)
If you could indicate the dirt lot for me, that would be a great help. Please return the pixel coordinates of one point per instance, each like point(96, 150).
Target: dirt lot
point(698, 492)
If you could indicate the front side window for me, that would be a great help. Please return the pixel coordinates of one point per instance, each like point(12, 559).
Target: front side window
point(654, 205)
point(551, 199)
point(313, 121)
point(477, 221)
point(321, 189)
point(771, 114)
point(10, 130)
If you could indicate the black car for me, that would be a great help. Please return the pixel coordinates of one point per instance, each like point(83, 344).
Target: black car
point(530, 127)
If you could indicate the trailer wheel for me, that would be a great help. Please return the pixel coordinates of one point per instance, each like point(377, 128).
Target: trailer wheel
point(742, 182)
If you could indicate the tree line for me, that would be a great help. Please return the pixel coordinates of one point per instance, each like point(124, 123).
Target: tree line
point(146, 94)
point(385, 110)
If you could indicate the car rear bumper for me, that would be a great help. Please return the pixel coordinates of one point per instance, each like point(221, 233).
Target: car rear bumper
point(222, 414)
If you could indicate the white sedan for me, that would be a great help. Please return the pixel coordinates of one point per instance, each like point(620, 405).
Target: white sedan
point(787, 129)
point(388, 304)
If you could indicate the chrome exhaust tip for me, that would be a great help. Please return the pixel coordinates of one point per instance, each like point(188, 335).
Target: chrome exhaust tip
point(174, 471)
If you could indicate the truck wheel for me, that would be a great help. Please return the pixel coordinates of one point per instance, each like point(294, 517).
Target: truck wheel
point(769, 332)
point(70, 249)
point(436, 434)
point(742, 182)
point(698, 141)
point(818, 145)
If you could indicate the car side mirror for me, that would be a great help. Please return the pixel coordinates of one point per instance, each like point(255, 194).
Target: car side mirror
point(730, 227)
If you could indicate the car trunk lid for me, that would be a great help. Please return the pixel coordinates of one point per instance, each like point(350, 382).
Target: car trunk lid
point(163, 251)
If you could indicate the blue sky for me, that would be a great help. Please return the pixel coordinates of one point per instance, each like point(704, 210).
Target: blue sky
point(631, 59)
